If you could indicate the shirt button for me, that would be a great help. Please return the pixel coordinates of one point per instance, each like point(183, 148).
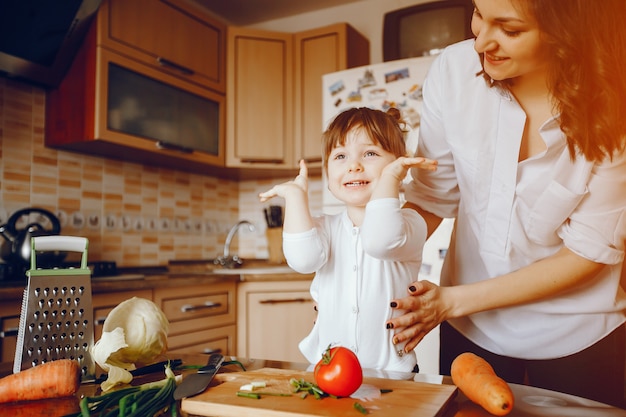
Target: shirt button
point(354, 267)
point(354, 349)
point(355, 309)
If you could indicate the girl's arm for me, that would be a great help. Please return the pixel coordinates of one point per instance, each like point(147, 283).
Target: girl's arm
point(429, 305)
point(388, 185)
point(297, 214)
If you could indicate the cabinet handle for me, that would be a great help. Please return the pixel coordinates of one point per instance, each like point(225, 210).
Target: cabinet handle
point(170, 64)
point(9, 332)
point(100, 321)
point(172, 147)
point(188, 307)
point(208, 351)
point(285, 300)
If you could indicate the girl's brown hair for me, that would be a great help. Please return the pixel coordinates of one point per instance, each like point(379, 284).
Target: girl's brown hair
point(384, 128)
point(587, 42)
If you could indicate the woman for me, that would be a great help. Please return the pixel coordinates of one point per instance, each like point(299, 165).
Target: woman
point(532, 167)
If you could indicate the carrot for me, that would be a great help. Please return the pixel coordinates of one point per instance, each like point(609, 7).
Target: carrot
point(59, 378)
point(478, 381)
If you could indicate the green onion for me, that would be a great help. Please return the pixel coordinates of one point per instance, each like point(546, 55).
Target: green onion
point(248, 394)
point(360, 408)
point(137, 401)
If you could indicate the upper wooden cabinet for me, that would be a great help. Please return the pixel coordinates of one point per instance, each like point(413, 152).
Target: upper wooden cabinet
point(116, 102)
point(259, 130)
point(274, 92)
point(318, 52)
point(171, 34)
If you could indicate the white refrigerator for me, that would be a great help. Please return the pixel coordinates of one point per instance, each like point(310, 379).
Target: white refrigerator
point(380, 86)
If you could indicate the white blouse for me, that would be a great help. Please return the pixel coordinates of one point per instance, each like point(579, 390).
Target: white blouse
point(358, 271)
point(510, 214)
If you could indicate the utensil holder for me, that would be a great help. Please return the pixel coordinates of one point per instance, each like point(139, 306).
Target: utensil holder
point(275, 245)
point(56, 320)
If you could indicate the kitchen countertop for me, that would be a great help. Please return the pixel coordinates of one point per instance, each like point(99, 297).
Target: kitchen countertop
point(529, 401)
point(13, 290)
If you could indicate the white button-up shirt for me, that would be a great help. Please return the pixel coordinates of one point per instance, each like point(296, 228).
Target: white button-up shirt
point(510, 214)
point(358, 272)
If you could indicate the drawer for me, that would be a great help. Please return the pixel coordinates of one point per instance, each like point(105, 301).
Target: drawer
point(202, 306)
point(217, 340)
point(197, 307)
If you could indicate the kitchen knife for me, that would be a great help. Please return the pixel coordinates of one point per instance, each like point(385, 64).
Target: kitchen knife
point(145, 370)
point(196, 383)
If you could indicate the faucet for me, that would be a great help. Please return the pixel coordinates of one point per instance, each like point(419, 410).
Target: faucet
point(234, 261)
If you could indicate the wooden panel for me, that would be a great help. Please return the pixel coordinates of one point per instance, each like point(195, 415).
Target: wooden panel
point(260, 99)
point(144, 29)
point(218, 340)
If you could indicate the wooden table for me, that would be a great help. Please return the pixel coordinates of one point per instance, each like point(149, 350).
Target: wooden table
point(529, 401)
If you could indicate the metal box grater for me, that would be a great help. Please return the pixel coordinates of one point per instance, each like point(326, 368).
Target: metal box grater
point(56, 321)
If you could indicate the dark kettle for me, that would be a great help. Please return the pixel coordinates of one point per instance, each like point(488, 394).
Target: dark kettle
point(16, 248)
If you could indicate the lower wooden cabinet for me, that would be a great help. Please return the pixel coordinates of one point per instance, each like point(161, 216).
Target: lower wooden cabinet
point(202, 317)
point(9, 324)
point(272, 318)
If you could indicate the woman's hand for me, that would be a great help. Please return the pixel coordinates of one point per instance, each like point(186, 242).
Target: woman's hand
point(426, 307)
point(299, 185)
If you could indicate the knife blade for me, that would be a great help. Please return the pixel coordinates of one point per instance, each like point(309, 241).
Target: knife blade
point(196, 383)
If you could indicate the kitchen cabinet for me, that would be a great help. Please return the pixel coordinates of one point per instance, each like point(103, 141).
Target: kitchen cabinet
point(259, 131)
point(317, 52)
point(9, 325)
point(174, 35)
point(118, 100)
point(201, 317)
point(272, 318)
point(274, 91)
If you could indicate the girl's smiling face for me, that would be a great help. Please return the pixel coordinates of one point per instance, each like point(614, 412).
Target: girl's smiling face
point(508, 39)
point(355, 167)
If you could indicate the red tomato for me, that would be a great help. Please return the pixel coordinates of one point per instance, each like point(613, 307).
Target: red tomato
point(339, 372)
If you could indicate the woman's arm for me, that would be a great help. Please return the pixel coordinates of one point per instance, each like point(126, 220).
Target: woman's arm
point(432, 221)
point(429, 305)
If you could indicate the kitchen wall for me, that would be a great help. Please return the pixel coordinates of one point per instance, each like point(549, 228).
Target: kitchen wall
point(366, 16)
point(131, 213)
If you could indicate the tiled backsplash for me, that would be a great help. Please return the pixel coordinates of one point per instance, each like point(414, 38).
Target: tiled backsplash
point(131, 213)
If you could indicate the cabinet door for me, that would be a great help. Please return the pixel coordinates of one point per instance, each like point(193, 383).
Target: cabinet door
point(130, 110)
point(202, 318)
point(218, 340)
point(260, 100)
point(318, 52)
point(172, 34)
point(276, 317)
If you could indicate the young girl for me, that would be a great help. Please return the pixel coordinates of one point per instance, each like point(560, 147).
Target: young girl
point(527, 122)
point(366, 254)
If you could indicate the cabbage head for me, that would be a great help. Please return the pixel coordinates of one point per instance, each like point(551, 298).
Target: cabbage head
point(135, 331)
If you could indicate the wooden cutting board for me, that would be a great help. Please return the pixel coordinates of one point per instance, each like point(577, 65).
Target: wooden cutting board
point(407, 399)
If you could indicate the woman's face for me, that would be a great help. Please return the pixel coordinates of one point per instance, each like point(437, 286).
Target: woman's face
point(354, 168)
point(508, 39)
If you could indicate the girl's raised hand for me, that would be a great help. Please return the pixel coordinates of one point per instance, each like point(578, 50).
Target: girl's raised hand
point(399, 168)
point(299, 184)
